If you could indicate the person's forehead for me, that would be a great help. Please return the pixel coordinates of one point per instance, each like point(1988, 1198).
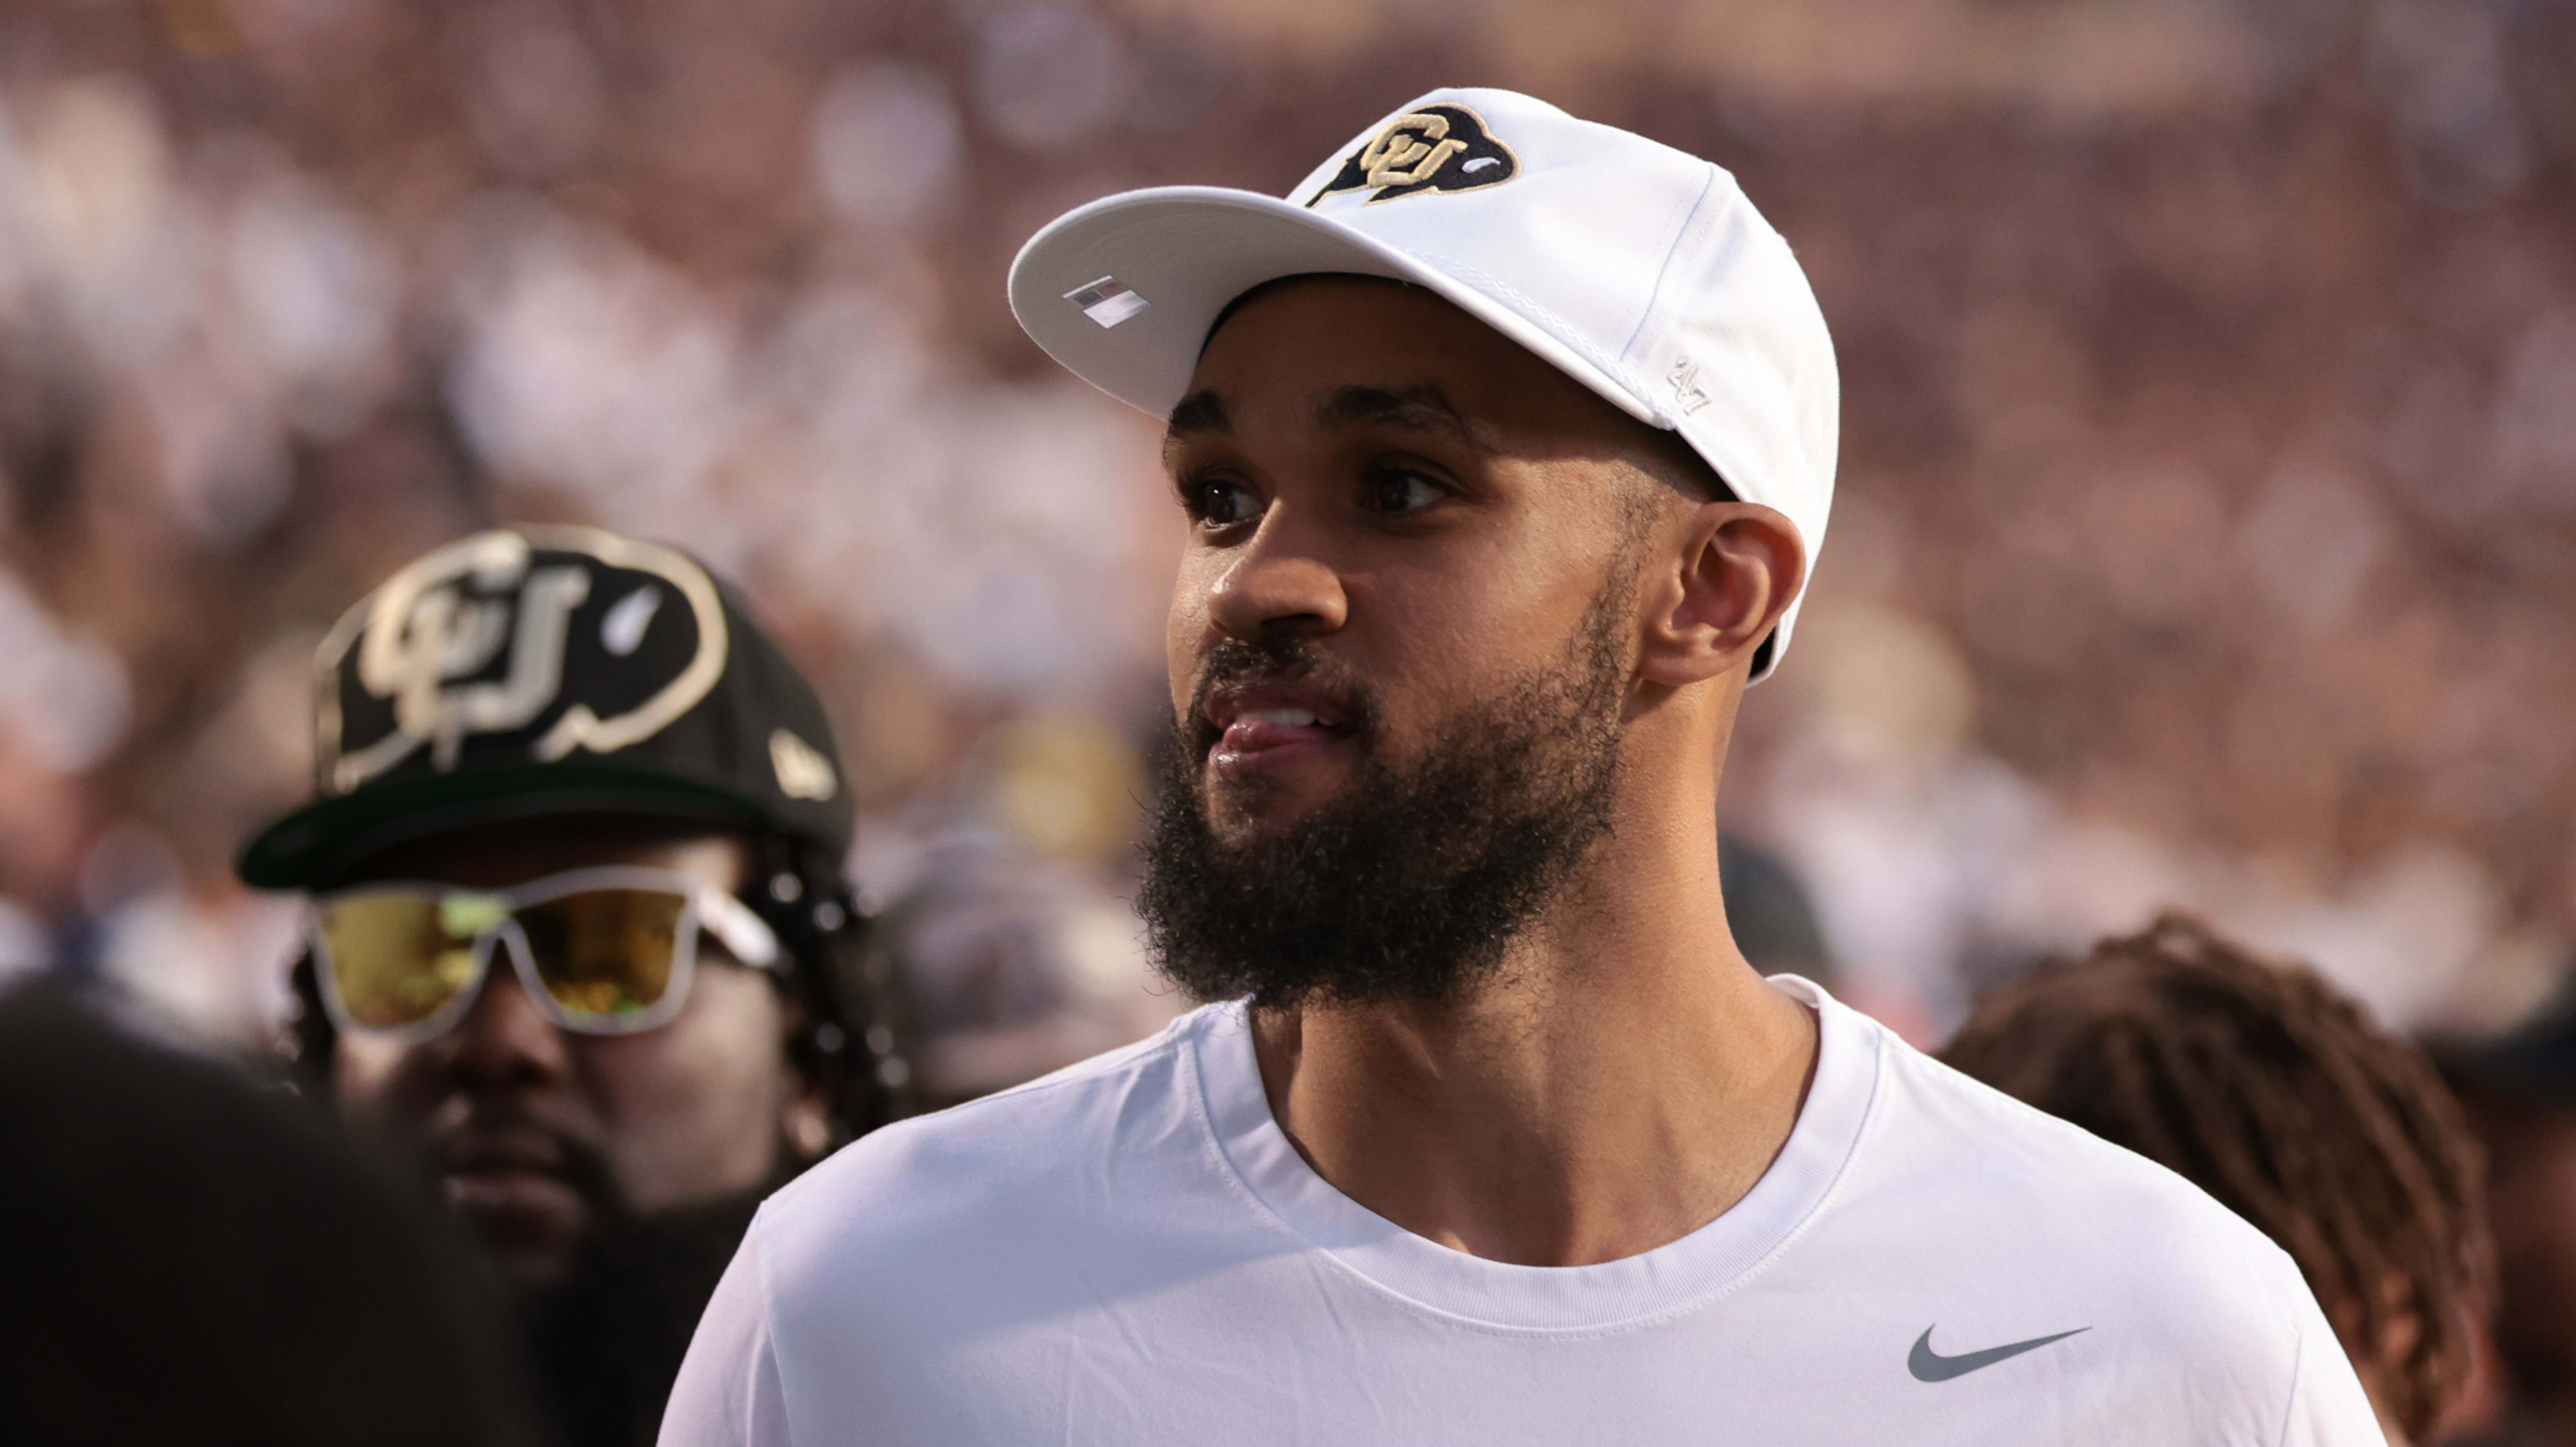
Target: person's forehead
point(1342, 351)
point(1370, 316)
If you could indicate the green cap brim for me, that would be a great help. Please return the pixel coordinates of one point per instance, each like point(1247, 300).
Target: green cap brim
point(315, 843)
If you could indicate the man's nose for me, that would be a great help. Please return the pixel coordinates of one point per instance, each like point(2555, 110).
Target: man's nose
point(505, 1041)
point(1279, 582)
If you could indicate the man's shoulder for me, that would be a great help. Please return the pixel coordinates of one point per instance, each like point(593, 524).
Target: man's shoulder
point(974, 1167)
point(1971, 1231)
point(1951, 1136)
point(1990, 1191)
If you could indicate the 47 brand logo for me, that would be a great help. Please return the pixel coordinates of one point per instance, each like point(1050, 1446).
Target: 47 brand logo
point(1437, 148)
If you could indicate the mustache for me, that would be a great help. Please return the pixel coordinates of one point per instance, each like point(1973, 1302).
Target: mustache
point(508, 1135)
point(1237, 661)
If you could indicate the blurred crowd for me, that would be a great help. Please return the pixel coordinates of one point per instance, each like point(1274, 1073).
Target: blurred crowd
point(2202, 540)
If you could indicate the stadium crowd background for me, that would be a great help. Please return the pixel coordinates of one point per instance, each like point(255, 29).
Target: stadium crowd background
point(2207, 497)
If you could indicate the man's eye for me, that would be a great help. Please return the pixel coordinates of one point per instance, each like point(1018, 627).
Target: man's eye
point(1397, 490)
point(1220, 503)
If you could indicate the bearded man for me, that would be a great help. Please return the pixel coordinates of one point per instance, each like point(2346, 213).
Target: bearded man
point(1504, 445)
point(580, 942)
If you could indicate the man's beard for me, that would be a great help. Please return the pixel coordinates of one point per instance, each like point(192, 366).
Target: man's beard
point(1413, 884)
point(606, 1340)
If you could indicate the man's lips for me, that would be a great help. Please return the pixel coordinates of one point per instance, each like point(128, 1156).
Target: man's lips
point(501, 1150)
point(514, 1179)
point(1271, 722)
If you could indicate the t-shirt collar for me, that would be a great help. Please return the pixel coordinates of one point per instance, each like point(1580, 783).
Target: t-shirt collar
point(1671, 1278)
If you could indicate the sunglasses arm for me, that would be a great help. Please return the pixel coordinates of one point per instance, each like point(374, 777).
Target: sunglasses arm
point(746, 935)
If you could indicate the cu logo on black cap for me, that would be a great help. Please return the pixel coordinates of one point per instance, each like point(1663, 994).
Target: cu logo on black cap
point(1437, 148)
point(549, 640)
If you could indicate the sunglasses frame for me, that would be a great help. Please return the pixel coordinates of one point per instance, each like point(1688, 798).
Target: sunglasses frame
point(744, 934)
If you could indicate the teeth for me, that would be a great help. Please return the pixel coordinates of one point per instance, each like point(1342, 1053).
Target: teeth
point(1293, 717)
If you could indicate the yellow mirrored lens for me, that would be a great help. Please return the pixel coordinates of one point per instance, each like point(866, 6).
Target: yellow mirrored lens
point(466, 915)
point(393, 958)
point(605, 951)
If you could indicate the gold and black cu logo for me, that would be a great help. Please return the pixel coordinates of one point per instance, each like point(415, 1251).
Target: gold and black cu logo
point(1437, 148)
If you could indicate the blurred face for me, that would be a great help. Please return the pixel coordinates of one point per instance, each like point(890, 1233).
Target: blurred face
point(1400, 646)
point(533, 1128)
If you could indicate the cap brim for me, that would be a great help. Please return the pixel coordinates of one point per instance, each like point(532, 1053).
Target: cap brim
point(1189, 251)
point(311, 846)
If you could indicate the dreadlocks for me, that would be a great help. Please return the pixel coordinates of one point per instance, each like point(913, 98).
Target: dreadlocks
point(2269, 1089)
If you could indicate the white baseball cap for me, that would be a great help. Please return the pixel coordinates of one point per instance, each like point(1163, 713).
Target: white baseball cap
point(1637, 270)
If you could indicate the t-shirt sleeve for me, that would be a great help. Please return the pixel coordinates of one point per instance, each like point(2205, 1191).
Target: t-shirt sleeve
point(2327, 1405)
point(729, 1393)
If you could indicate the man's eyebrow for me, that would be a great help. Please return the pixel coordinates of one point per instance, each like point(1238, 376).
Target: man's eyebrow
point(1424, 407)
point(1198, 412)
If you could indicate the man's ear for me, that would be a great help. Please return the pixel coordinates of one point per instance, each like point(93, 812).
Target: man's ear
point(808, 1122)
point(1710, 605)
point(805, 1115)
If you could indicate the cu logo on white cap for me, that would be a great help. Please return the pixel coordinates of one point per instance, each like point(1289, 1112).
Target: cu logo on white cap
point(1444, 147)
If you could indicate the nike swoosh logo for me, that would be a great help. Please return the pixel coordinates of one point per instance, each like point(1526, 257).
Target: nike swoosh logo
point(1928, 1365)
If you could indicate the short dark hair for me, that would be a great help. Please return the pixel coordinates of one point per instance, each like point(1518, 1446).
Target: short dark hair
point(193, 1258)
point(2271, 1090)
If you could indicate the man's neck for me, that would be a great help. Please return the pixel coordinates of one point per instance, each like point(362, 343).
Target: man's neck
point(1624, 1080)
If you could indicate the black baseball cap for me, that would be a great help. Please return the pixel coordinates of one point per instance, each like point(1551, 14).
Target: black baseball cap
point(545, 670)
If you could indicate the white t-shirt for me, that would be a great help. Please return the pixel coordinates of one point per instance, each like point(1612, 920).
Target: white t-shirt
point(1131, 1252)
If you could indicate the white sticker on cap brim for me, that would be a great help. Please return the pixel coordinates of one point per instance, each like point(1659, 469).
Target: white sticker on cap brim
point(1107, 301)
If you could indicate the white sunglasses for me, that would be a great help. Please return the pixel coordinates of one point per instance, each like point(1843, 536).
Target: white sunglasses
point(609, 950)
